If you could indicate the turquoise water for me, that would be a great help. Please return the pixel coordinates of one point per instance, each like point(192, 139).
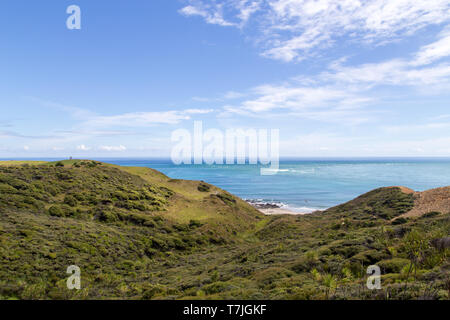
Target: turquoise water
point(307, 185)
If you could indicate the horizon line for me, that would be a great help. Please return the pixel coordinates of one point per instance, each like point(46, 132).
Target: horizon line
point(281, 158)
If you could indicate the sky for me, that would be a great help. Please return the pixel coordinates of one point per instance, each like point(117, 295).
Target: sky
point(347, 78)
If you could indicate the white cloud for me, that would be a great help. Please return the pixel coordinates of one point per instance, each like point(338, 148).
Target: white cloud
point(233, 95)
point(342, 91)
point(211, 16)
point(417, 128)
point(113, 148)
point(88, 126)
point(93, 120)
point(26, 148)
point(392, 72)
point(246, 9)
point(293, 29)
point(138, 119)
point(83, 148)
point(296, 98)
point(435, 50)
point(230, 95)
point(324, 103)
point(198, 111)
point(213, 11)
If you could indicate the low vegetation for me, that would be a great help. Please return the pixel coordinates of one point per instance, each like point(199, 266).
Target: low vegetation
point(137, 234)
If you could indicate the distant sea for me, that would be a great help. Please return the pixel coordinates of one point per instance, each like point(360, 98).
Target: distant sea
point(305, 185)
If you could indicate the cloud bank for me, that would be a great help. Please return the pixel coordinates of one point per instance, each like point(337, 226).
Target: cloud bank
point(290, 30)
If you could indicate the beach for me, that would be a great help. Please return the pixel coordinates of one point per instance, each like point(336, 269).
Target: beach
point(269, 208)
point(277, 211)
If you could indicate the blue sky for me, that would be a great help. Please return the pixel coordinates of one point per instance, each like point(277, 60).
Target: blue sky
point(338, 78)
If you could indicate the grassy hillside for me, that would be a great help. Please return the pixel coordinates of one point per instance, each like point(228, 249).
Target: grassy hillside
point(137, 234)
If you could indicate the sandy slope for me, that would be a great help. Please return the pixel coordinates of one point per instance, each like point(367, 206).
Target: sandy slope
point(430, 200)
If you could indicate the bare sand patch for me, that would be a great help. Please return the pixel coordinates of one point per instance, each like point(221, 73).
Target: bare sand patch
point(437, 200)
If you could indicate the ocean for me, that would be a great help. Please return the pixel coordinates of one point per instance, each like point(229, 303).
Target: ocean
point(306, 185)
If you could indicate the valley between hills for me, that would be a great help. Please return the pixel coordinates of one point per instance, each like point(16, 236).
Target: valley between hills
point(138, 234)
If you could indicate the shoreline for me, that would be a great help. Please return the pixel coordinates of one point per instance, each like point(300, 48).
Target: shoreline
point(280, 211)
point(268, 209)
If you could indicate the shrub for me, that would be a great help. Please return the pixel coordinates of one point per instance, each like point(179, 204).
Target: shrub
point(56, 211)
point(140, 206)
point(119, 195)
point(268, 277)
point(18, 184)
point(70, 200)
point(369, 257)
point(152, 290)
point(226, 198)
point(108, 216)
point(202, 187)
point(68, 211)
point(79, 196)
point(195, 224)
point(400, 220)
point(59, 164)
point(398, 232)
point(431, 214)
point(393, 265)
point(51, 189)
point(217, 287)
point(92, 164)
point(29, 200)
point(305, 263)
point(5, 188)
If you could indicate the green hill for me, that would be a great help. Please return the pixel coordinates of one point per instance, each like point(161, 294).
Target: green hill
point(137, 234)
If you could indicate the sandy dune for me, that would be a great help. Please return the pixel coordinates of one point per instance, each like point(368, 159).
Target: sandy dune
point(430, 200)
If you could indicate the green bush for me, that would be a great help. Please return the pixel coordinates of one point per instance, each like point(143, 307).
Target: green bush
point(370, 256)
point(400, 220)
point(305, 264)
point(92, 164)
point(227, 198)
point(52, 190)
point(119, 195)
point(202, 187)
point(217, 287)
point(394, 265)
point(56, 211)
point(5, 188)
point(431, 214)
point(108, 216)
point(195, 224)
point(70, 200)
